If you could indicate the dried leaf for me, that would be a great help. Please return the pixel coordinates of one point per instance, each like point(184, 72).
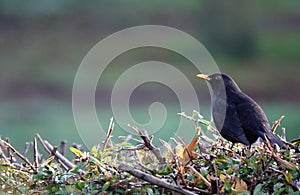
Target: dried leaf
point(180, 169)
point(188, 152)
point(240, 185)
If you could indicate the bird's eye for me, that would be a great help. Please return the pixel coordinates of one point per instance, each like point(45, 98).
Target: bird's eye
point(218, 77)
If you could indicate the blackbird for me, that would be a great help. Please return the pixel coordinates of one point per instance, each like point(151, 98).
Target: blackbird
point(238, 117)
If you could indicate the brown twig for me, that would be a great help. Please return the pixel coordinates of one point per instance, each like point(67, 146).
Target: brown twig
point(199, 176)
point(43, 143)
point(199, 191)
point(153, 180)
point(26, 148)
point(62, 147)
point(62, 159)
point(18, 154)
point(167, 146)
point(53, 151)
point(4, 157)
point(295, 140)
point(8, 152)
point(35, 153)
point(109, 131)
point(292, 146)
point(140, 163)
point(279, 160)
point(283, 133)
point(186, 147)
point(277, 123)
point(149, 145)
point(132, 148)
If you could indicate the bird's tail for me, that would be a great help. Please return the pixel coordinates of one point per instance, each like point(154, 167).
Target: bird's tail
point(274, 139)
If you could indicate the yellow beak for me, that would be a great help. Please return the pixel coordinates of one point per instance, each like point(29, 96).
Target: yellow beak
point(204, 76)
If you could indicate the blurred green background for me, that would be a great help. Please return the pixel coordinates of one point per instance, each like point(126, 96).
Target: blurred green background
point(44, 42)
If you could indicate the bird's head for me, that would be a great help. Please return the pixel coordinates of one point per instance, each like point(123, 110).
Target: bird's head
point(219, 81)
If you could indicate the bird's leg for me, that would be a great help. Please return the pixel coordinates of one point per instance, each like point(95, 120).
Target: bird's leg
point(232, 146)
point(249, 147)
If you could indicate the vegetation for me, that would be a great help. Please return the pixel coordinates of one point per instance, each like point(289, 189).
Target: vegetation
point(43, 45)
point(258, 44)
point(136, 166)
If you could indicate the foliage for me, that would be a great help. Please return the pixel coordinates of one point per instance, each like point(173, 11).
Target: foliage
point(203, 166)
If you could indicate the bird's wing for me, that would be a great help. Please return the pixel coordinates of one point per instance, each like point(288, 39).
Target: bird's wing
point(255, 122)
point(252, 116)
point(228, 123)
point(253, 119)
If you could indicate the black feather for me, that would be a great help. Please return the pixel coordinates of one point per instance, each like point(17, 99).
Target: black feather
point(238, 117)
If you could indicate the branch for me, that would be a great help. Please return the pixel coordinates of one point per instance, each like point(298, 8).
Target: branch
point(153, 180)
point(35, 153)
point(26, 149)
point(277, 123)
point(18, 154)
point(200, 176)
point(149, 145)
point(53, 151)
point(4, 157)
point(110, 129)
point(62, 147)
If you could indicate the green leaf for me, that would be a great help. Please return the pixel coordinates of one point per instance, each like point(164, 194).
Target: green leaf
point(77, 152)
point(95, 150)
point(166, 170)
point(149, 191)
point(277, 187)
point(121, 191)
point(62, 193)
point(79, 185)
point(106, 186)
point(77, 168)
point(124, 144)
point(242, 192)
point(48, 161)
point(107, 159)
point(258, 190)
point(288, 177)
point(295, 193)
point(227, 186)
point(97, 162)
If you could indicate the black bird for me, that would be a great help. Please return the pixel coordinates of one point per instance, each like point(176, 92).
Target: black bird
point(238, 117)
